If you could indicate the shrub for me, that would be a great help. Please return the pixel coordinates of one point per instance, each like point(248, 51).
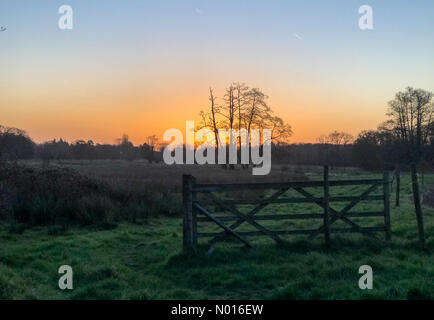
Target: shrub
point(51, 195)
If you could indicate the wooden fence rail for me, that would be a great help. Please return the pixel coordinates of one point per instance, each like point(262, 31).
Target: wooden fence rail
point(196, 210)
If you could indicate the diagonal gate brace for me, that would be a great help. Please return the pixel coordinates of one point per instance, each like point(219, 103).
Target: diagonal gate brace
point(245, 217)
point(347, 208)
point(221, 224)
point(254, 211)
point(333, 211)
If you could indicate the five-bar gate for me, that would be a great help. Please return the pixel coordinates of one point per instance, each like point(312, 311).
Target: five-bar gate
point(197, 210)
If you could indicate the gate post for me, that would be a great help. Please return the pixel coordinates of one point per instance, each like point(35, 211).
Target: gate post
point(326, 206)
point(386, 194)
point(189, 221)
point(417, 206)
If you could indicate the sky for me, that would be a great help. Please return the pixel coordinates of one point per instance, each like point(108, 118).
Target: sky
point(141, 67)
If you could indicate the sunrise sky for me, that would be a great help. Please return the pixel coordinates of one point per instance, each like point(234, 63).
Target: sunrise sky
point(141, 67)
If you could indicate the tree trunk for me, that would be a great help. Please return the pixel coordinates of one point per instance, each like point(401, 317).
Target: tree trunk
point(417, 205)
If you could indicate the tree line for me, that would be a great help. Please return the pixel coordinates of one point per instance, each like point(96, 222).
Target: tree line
point(406, 137)
point(15, 144)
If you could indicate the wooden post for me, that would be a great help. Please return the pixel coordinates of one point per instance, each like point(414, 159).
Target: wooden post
point(398, 187)
point(189, 222)
point(386, 194)
point(417, 205)
point(326, 206)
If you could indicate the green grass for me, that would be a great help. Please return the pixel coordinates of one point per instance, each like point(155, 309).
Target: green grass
point(145, 262)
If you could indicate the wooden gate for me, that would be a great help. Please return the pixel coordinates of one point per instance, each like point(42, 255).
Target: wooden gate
point(196, 209)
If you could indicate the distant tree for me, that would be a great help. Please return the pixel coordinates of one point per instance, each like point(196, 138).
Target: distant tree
point(336, 138)
point(152, 142)
point(125, 140)
point(15, 144)
point(367, 150)
point(54, 150)
point(126, 148)
point(149, 149)
point(82, 149)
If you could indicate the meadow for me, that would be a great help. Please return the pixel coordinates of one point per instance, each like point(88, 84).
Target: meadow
point(143, 259)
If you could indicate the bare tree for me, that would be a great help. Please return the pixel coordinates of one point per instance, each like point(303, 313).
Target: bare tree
point(209, 119)
point(228, 108)
point(257, 110)
point(241, 95)
point(411, 118)
point(152, 142)
point(243, 108)
point(331, 142)
point(15, 143)
point(336, 138)
point(228, 112)
point(280, 131)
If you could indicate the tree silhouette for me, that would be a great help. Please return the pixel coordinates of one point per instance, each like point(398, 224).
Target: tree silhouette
point(411, 119)
point(242, 108)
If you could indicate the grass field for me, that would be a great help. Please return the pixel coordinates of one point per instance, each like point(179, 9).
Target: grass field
point(135, 261)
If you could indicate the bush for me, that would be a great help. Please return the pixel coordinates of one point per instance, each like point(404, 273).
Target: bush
point(50, 195)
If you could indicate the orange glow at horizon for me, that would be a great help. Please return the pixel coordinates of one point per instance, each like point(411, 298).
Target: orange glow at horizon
point(104, 117)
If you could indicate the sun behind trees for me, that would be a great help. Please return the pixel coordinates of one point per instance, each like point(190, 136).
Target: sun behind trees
point(241, 108)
